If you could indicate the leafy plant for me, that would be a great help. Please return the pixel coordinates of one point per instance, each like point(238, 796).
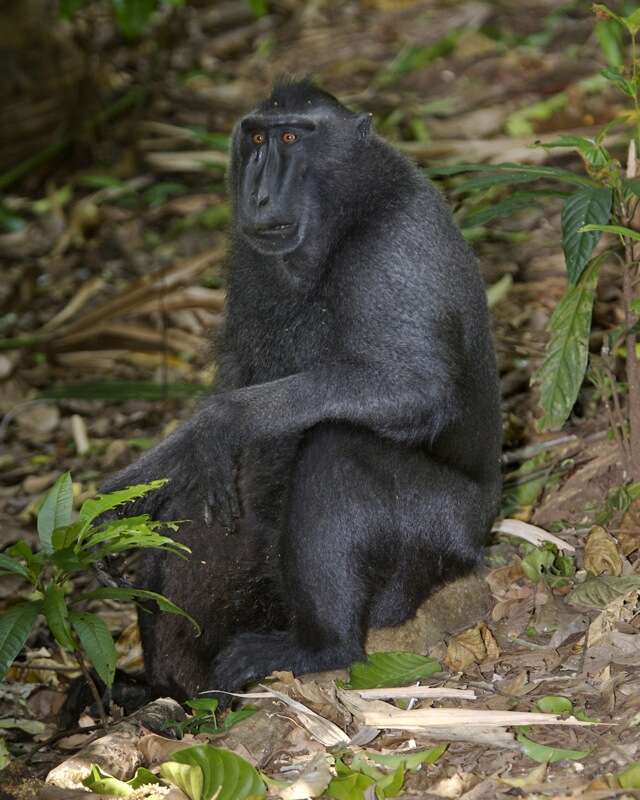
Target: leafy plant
point(132, 16)
point(603, 199)
point(70, 546)
point(547, 564)
point(204, 718)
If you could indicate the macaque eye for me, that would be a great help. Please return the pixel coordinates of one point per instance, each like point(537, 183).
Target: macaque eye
point(258, 138)
point(289, 138)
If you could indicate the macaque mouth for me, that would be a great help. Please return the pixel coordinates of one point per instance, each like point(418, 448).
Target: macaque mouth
point(271, 230)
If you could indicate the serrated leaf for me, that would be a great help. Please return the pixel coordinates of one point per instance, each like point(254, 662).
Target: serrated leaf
point(96, 506)
point(533, 172)
point(391, 669)
point(126, 593)
point(565, 362)
point(56, 613)
point(12, 566)
point(588, 206)
point(15, 626)
point(96, 642)
point(224, 774)
point(518, 201)
point(599, 592)
point(544, 754)
point(55, 510)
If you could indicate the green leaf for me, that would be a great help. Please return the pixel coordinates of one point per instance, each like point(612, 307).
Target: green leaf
point(34, 561)
point(69, 7)
point(599, 592)
point(617, 229)
point(55, 510)
point(126, 594)
point(57, 616)
point(548, 755)
point(609, 37)
point(96, 642)
point(555, 704)
point(518, 201)
point(349, 787)
point(584, 207)
point(565, 362)
point(616, 77)
point(101, 782)
point(15, 626)
point(259, 8)
point(537, 563)
point(411, 759)
point(391, 669)
point(592, 151)
point(630, 777)
point(12, 566)
point(533, 172)
point(203, 772)
point(203, 706)
point(632, 22)
point(96, 506)
point(5, 755)
point(235, 717)
point(133, 16)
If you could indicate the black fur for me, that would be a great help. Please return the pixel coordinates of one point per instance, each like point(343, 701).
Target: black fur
point(348, 456)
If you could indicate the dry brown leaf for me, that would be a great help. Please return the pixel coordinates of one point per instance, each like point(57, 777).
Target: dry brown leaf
point(601, 556)
point(472, 646)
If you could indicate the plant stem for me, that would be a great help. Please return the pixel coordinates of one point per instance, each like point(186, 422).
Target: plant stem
point(629, 280)
point(92, 688)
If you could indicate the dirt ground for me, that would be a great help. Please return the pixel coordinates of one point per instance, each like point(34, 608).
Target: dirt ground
point(112, 264)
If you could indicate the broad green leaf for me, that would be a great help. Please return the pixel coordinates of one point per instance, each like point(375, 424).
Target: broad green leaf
point(15, 626)
point(630, 777)
point(11, 565)
point(544, 754)
point(411, 759)
point(537, 563)
point(55, 510)
point(584, 207)
point(96, 642)
point(57, 615)
point(96, 506)
point(349, 787)
point(224, 774)
point(534, 172)
point(203, 705)
point(126, 594)
point(617, 229)
point(101, 782)
point(391, 669)
point(555, 704)
point(565, 362)
point(187, 777)
point(66, 536)
point(599, 592)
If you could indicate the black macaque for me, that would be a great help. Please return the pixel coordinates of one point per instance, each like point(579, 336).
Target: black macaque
point(347, 461)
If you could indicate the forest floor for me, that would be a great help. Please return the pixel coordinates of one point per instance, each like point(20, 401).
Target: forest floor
point(112, 259)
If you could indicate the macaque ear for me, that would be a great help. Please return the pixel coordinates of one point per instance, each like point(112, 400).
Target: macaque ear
point(364, 126)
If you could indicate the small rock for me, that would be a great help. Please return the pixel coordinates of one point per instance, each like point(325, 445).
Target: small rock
point(39, 419)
